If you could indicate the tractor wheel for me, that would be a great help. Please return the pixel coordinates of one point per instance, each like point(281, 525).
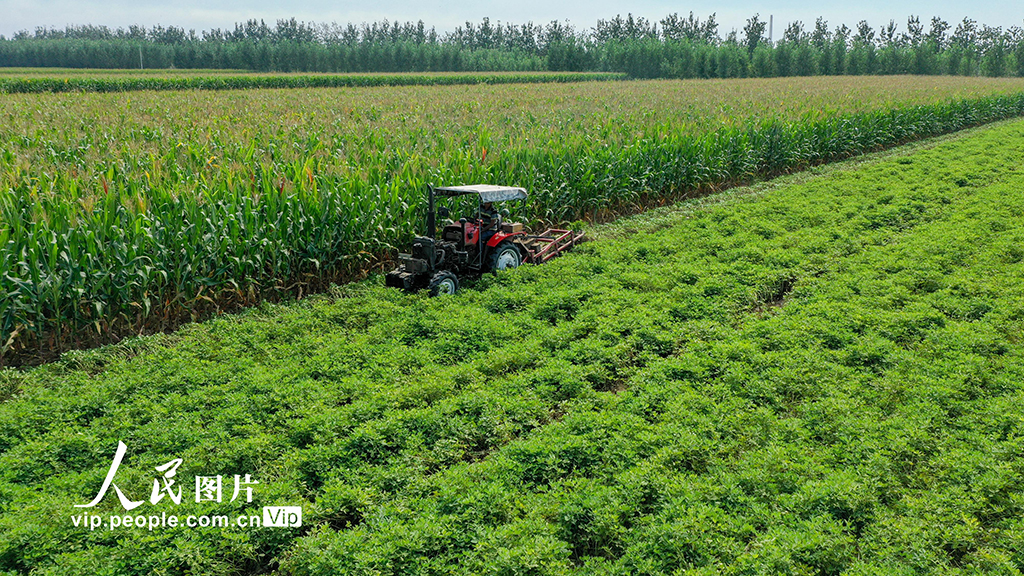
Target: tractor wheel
point(505, 256)
point(443, 283)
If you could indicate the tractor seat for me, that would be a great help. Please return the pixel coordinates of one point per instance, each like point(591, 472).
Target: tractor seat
point(452, 232)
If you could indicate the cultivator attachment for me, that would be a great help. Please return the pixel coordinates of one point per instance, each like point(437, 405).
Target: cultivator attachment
point(542, 247)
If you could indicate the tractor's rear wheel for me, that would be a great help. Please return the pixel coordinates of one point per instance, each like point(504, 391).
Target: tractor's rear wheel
point(443, 283)
point(505, 256)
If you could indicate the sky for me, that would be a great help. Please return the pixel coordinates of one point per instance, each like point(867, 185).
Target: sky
point(444, 15)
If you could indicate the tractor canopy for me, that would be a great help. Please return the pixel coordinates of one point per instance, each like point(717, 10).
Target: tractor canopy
point(486, 192)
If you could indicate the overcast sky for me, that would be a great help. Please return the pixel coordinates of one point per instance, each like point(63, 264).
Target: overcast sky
point(200, 15)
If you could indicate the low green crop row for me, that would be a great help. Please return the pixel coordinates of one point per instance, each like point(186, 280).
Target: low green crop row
point(822, 378)
point(225, 82)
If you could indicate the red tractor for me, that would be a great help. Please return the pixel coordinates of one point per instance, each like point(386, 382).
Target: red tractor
point(481, 242)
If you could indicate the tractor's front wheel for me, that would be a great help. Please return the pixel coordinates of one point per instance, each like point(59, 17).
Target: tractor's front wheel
point(505, 256)
point(443, 283)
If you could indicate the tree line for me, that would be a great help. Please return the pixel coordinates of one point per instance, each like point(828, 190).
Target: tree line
point(673, 47)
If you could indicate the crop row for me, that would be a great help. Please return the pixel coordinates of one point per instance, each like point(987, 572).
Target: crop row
point(181, 224)
point(77, 83)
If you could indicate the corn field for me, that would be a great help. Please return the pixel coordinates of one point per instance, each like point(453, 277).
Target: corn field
point(132, 212)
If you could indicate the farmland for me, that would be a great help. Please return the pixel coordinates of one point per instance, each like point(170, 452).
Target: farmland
point(34, 80)
point(817, 375)
point(127, 213)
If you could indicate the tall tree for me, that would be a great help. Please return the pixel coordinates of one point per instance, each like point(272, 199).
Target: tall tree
point(753, 32)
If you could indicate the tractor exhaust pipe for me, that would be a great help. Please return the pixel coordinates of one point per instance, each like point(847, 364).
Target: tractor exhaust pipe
point(431, 225)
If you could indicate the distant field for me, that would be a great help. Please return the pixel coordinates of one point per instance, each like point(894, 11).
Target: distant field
point(174, 73)
point(106, 72)
point(823, 375)
point(37, 80)
point(122, 213)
